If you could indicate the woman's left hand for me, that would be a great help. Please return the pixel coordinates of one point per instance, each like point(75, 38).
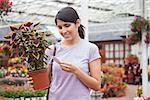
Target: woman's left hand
point(68, 67)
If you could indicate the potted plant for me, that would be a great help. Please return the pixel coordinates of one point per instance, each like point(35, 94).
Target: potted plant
point(112, 84)
point(30, 44)
point(21, 93)
point(131, 59)
point(139, 25)
point(4, 54)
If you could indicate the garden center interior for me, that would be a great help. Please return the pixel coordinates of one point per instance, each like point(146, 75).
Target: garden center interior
point(120, 29)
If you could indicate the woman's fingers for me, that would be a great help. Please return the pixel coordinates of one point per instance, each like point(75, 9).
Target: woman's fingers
point(68, 67)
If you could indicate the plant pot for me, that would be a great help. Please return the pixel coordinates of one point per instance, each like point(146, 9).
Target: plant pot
point(40, 79)
point(4, 61)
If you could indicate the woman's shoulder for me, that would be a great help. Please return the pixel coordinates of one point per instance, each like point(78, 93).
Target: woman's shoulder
point(89, 44)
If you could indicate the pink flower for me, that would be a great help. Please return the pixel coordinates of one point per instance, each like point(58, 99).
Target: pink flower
point(10, 4)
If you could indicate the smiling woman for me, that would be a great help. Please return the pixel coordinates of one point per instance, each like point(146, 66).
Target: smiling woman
point(78, 68)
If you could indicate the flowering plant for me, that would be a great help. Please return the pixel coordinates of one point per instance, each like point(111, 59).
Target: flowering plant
point(18, 70)
point(112, 81)
point(131, 59)
point(139, 91)
point(20, 92)
point(137, 26)
point(5, 7)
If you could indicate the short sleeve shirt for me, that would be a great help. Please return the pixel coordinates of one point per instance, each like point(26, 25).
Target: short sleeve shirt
point(65, 85)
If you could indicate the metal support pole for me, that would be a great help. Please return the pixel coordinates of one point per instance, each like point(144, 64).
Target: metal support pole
point(144, 62)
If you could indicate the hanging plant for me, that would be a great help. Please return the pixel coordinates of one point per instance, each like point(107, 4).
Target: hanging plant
point(133, 38)
point(139, 25)
point(5, 7)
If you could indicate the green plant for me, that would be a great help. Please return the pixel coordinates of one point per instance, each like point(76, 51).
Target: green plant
point(13, 81)
point(26, 93)
point(1, 75)
point(139, 24)
point(139, 91)
point(7, 81)
point(30, 44)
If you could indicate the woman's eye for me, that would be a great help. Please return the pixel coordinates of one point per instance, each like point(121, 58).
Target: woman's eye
point(67, 25)
point(59, 27)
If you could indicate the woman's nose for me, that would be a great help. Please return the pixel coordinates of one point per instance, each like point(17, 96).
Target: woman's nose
point(63, 30)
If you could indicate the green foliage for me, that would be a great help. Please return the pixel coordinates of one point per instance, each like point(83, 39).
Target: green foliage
point(8, 94)
point(12, 81)
point(23, 93)
point(1, 75)
point(31, 44)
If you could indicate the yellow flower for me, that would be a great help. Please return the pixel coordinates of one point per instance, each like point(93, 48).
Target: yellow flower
point(26, 70)
point(9, 68)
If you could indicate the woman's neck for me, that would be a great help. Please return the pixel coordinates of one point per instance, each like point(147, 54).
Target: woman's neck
point(67, 43)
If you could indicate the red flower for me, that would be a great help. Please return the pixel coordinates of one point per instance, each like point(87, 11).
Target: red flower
point(5, 7)
point(120, 95)
point(10, 4)
point(103, 90)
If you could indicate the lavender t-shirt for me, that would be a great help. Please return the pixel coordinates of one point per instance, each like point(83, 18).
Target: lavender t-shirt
point(65, 85)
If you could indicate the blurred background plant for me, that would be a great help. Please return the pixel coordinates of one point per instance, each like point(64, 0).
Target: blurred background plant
point(112, 81)
point(5, 53)
point(5, 49)
point(138, 91)
point(5, 7)
point(131, 59)
point(139, 25)
point(19, 92)
point(18, 70)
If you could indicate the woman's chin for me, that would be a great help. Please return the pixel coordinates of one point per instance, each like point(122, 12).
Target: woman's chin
point(67, 38)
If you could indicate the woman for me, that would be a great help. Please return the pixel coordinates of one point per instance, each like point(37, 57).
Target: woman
point(78, 69)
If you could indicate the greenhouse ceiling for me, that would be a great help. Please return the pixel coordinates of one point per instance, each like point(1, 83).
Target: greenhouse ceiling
point(99, 11)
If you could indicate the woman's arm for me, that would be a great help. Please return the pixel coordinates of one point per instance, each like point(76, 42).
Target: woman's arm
point(93, 80)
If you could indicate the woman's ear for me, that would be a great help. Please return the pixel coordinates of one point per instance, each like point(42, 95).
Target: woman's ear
point(78, 23)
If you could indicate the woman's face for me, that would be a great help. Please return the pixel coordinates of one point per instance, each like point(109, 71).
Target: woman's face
point(67, 29)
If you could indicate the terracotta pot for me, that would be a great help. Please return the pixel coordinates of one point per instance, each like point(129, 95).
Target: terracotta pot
point(40, 79)
point(4, 61)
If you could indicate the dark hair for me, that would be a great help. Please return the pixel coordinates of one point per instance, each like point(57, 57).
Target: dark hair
point(68, 14)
